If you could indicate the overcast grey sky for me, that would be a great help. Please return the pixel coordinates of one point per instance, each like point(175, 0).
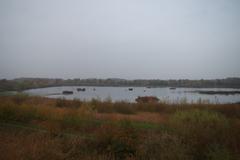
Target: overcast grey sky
point(120, 38)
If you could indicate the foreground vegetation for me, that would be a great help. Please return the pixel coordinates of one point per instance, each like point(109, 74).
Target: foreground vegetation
point(42, 128)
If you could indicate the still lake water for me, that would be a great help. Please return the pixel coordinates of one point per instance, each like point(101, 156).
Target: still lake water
point(123, 94)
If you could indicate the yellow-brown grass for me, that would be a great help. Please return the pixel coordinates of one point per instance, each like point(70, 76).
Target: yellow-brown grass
point(43, 128)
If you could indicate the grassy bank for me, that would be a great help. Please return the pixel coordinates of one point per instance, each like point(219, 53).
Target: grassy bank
point(42, 128)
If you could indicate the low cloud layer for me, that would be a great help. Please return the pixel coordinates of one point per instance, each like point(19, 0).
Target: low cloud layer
point(120, 38)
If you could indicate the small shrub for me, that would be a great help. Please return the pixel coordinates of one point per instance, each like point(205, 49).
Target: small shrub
point(20, 98)
point(124, 108)
point(76, 103)
point(219, 153)
point(27, 113)
point(61, 102)
point(119, 142)
point(8, 111)
point(199, 129)
point(22, 113)
point(147, 99)
point(78, 118)
point(104, 107)
point(163, 146)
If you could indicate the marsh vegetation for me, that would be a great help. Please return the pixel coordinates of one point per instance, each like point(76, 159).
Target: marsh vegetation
point(43, 128)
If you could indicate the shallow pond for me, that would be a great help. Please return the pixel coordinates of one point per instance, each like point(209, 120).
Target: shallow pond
point(170, 95)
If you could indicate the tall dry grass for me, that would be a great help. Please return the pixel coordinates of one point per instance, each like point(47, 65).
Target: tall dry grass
point(42, 128)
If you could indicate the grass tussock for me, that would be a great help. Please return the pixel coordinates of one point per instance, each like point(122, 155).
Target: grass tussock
point(42, 128)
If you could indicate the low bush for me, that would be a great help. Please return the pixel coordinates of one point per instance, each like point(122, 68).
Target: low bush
point(78, 118)
point(219, 153)
point(22, 113)
point(115, 141)
point(199, 129)
point(20, 98)
point(103, 107)
point(62, 102)
point(124, 108)
point(163, 146)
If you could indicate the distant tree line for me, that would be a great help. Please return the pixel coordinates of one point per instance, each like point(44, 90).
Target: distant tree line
point(29, 83)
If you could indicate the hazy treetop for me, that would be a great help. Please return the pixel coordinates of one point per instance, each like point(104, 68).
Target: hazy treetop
point(120, 38)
